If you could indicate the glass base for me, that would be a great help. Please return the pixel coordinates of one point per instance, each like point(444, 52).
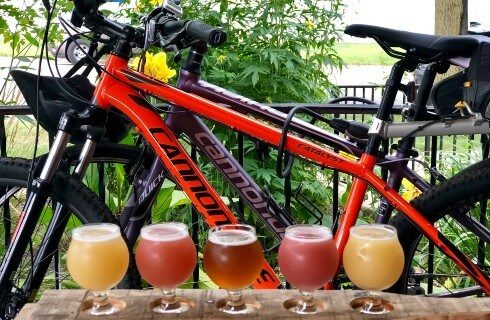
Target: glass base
point(179, 305)
point(237, 304)
point(112, 306)
point(372, 305)
point(300, 306)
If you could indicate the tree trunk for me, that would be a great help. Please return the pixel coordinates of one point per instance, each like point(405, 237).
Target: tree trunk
point(451, 18)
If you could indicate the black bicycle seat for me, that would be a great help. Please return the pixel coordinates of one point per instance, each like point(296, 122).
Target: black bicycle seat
point(418, 45)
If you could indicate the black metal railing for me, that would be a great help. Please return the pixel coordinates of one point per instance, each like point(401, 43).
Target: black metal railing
point(355, 111)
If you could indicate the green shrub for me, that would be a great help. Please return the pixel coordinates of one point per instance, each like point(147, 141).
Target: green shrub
point(277, 51)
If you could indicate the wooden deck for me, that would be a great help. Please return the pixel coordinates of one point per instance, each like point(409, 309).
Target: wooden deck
point(65, 304)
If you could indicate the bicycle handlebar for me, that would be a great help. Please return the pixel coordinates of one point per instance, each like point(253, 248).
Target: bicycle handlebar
point(166, 25)
point(194, 28)
point(204, 32)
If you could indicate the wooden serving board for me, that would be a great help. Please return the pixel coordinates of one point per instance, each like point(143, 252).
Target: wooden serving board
point(65, 304)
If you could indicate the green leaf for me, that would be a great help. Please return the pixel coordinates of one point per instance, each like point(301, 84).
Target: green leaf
point(179, 198)
point(31, 40)
point(24, 59)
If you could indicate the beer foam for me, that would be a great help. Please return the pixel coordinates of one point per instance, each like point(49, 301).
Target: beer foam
point(232, 237)
point(308, 233)
point(96, 232)
point(374, 232)
point(168, 231)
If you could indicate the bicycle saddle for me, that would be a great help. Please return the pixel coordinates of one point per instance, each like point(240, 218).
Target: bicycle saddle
point(418, 45)
point(54, 101)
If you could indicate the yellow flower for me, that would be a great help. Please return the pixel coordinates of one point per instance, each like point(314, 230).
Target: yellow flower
point(309, 24)
point(156, 2)
point(156, 66)
point(221, 59)
point(138, 7)
point(141, 5)
point(410, 192)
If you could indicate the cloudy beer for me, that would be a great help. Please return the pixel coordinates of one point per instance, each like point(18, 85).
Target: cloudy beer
point(166, 257)
point(233, 259)
point(97, 260)
point(308, 259)
point(373, 257)
point(373, 260)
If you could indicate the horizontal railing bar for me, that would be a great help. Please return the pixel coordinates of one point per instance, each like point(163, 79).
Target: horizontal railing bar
point(324, 108)
point(14, 110)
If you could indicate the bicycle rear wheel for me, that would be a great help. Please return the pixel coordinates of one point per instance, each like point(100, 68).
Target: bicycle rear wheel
point(447, 205)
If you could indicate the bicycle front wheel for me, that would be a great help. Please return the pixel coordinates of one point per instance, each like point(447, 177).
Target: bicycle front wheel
point(458, 209)
point(84, 206)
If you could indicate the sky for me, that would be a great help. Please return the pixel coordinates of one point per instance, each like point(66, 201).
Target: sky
point(410, 15)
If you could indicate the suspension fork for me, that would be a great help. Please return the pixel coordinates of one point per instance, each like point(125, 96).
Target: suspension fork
point(59, 220)
point(36, 199)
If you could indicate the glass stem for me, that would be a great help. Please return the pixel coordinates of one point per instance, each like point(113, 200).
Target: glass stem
point(307, 300)
point(306, 304)
point(235, 298)
point(101, 299)
point(168, 296)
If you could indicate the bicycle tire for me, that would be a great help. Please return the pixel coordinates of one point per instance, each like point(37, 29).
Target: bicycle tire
point(464, 190)
point(81, 201)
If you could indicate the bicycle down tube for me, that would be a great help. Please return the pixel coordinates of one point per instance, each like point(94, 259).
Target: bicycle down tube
point(119, 91)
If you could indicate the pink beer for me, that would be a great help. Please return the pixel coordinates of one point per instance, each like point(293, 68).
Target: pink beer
point(166, 255)
point(308, 257)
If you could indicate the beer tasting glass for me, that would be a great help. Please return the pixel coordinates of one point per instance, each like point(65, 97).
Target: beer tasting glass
point(97, 260)
point(308, 259)
point(373, 260)
point(233, 259)
point(166, 257)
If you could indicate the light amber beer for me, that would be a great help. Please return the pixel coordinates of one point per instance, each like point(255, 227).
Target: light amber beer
point(233, 258)
point(98, 257)
point(373, 257)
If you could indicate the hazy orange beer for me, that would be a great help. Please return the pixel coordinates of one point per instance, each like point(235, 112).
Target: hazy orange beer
point(97, 260)
point(233, 259)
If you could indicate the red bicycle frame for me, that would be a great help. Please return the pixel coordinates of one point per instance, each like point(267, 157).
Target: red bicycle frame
point(120, 89)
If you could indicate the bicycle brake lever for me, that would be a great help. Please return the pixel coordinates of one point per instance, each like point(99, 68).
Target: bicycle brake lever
point(149, 33)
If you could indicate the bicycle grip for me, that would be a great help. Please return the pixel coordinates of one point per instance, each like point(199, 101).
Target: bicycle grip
point(201, 31)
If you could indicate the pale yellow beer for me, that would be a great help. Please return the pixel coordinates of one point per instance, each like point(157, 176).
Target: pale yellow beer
point(373, 257)
point(98, 257)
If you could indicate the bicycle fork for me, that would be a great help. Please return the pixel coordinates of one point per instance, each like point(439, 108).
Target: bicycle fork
point(56, 227)
point(35, 202)
point(36, 199)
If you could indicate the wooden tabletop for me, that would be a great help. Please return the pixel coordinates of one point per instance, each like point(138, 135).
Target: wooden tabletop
point(65, 304)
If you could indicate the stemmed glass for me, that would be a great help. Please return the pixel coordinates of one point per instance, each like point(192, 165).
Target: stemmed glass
point(373, 260)
point(233, 259)
point(166, 257)
point(97, 260)
point(308, 259)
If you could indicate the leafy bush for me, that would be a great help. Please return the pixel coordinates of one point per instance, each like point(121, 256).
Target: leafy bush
point(277, 51)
